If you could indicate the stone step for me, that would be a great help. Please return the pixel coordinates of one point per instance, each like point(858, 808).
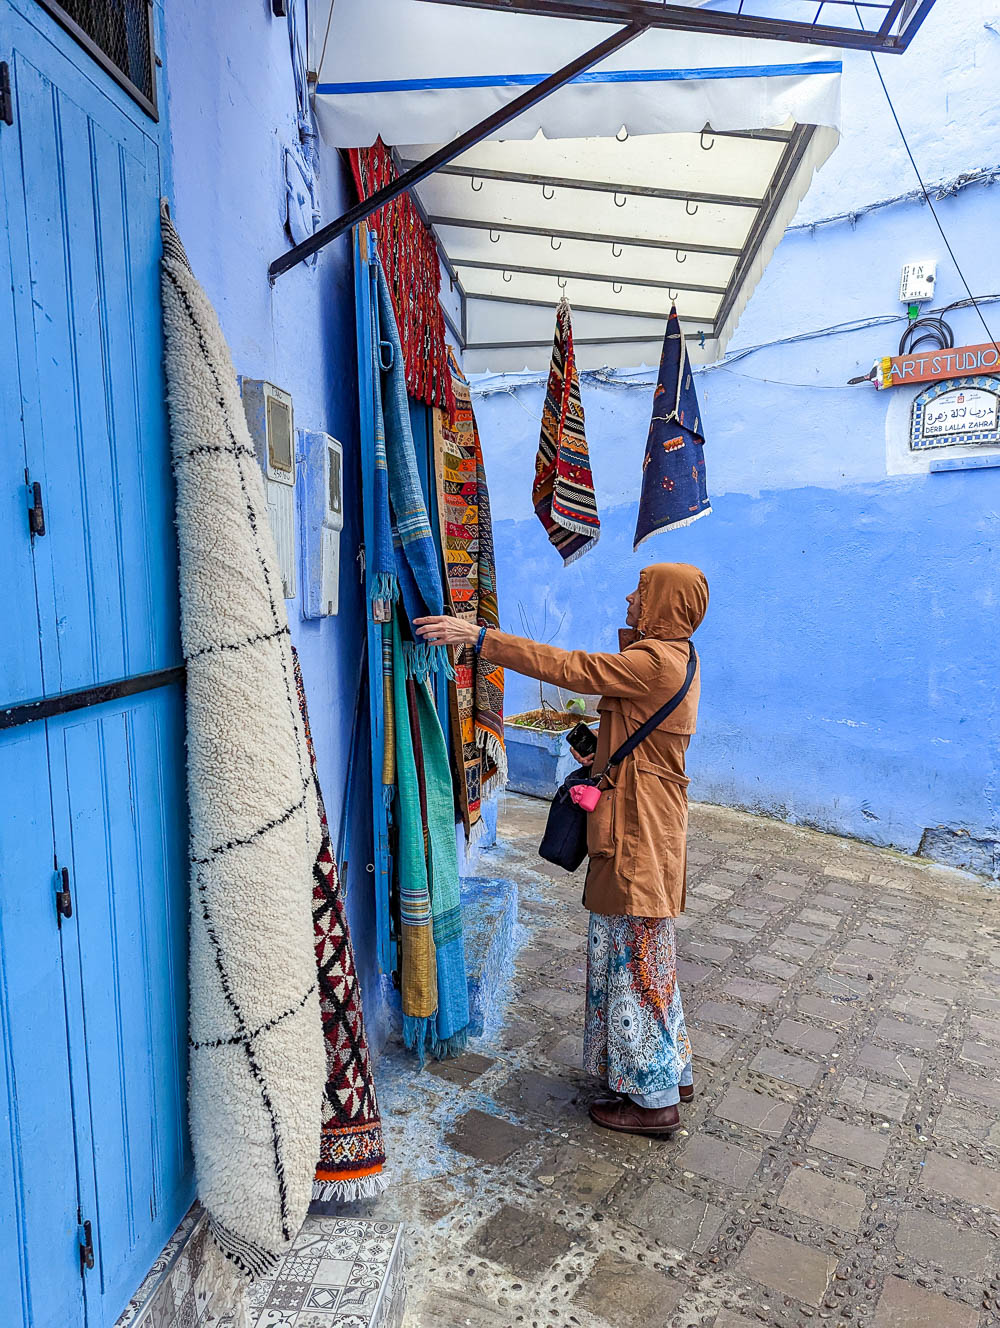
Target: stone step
point(343, 1272)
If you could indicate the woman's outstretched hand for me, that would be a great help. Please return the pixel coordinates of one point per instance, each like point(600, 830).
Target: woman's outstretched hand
point(445, 631)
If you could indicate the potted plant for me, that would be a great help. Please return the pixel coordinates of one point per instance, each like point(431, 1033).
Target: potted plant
point(538, 755)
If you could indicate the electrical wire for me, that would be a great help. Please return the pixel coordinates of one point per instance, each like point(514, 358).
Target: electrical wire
point(927, 197)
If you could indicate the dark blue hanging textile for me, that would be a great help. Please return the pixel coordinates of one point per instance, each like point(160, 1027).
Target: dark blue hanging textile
point(674, 491)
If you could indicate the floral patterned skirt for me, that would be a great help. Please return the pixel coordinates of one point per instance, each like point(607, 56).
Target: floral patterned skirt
point(635, 1034)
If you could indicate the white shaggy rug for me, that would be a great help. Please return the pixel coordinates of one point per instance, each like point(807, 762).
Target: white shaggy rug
point(257, 1054)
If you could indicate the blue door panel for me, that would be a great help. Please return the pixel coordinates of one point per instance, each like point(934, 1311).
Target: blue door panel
point(92, 1014)
point(20, 660)
point(120, 823)
point(88, 334)
point(40, 1284)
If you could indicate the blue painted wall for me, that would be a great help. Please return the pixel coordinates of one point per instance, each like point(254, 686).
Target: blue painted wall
point(850, 652)
point(232, 112)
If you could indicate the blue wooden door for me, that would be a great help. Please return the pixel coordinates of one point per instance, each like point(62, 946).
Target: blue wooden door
point(92, 1005)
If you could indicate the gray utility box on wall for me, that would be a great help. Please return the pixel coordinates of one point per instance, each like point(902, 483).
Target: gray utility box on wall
point(269, 417)
point(321, 519)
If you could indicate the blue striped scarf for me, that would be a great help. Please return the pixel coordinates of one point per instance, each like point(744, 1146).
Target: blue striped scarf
point(406, 558)
point(434, 983)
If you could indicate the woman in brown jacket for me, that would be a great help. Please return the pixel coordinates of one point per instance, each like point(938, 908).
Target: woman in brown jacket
point(635, 1033)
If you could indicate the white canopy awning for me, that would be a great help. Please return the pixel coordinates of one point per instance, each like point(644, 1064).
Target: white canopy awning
point(611, 189)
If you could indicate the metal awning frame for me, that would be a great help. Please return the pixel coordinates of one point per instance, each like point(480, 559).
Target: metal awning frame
point(897, 21)
point(363, 210)
point(796, 142)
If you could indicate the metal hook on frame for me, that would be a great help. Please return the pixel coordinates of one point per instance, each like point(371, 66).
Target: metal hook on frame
point(623, 130)
point(616, 250)
point(555, 245)
point(616, 286)
point(494, 236)
point(701, 140)
point(507, 277)
point(561, 283)
point(475, 187)
point(677, 256)
point(623, 202)
point(672, 294)
point(550, 195)
point(692, 212)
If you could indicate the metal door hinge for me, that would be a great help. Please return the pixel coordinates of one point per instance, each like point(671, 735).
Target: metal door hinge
point(6, 97)
point(64, 897)
point(85, 1235)
point(36, 509)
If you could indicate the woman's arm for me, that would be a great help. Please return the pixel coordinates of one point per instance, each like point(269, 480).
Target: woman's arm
point(627, 674)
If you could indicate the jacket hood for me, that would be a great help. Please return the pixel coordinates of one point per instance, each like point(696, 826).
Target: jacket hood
point(673, 599)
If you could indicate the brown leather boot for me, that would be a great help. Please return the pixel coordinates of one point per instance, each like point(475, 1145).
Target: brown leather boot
point(687, 1092)
point(627, 1117)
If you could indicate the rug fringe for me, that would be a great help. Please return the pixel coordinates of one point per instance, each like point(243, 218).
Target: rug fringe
point(388, 793)
point(451, 1046)
point(478, 831)
point(417, 1033)
point(422, 660)
point(496, 754)
point(581, 551)
point(349, 1191)
point(384, 594)
point(674, 525)
point(577, 527)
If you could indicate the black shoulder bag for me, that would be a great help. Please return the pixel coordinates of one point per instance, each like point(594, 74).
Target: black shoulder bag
point(565, 838)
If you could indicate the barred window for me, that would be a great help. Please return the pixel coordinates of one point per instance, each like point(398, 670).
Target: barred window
point(119, 35)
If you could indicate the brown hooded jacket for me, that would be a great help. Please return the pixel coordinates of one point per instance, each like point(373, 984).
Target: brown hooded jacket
point(637, 837)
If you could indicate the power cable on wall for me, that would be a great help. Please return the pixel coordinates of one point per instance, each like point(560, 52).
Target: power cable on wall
point(927, 197)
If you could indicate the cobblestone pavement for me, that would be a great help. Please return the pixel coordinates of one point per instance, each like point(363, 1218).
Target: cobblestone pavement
point(840, 1163)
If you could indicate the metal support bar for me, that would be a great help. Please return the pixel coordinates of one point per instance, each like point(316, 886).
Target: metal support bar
point(600, 187)
point(455, 148)
point(655, 14)
point(47, 707)
point(583, 308)
point(590, 237)
point(587, 276)
point(786, 168)
point(656, 337)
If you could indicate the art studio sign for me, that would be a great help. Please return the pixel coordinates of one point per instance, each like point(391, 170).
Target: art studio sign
point(957, 407)
point(929, 366)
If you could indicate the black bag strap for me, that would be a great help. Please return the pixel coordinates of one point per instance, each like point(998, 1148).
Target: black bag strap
point(654, 721)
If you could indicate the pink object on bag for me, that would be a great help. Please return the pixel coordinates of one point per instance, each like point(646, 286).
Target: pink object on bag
point(586, 796)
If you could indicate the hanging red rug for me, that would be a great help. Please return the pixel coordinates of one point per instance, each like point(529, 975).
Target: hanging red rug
point(410, 258)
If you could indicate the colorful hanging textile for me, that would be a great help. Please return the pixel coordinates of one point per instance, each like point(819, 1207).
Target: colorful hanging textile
point(674, 490)
point(352, 1151)
point(467, 541)
point(434, 983)
point(406, 557)
point(563, 492)
point(409, 252)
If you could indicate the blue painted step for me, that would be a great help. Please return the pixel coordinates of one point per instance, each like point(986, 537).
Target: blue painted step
point(489, 918)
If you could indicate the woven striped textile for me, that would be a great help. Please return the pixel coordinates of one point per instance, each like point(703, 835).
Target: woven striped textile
point(351, 1151)
point(407, 561)
point(470, 585)
point(433, 980)
point(563, 492)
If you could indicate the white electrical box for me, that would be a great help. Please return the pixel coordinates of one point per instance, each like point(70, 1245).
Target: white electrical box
point(916, 282)
point(269, 416)
point(321, 520)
